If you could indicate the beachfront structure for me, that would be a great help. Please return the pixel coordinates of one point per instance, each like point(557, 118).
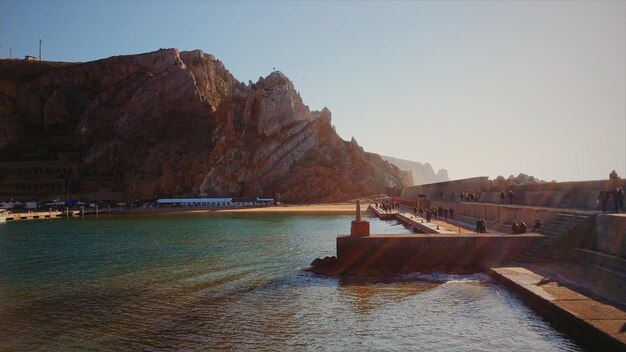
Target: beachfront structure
point(214, 202)
point(10, 205)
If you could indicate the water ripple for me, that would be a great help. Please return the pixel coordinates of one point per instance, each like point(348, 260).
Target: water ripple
point(202, 282)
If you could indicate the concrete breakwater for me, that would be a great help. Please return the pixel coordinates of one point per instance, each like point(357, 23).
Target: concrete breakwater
point(584, 295)
point(438, 247)
point(571, 195)
point(567, 294)
point(428, 252)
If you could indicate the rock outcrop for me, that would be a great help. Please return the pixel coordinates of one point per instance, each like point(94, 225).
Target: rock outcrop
point(521, 179)
point(170, 123)
point(422, 173)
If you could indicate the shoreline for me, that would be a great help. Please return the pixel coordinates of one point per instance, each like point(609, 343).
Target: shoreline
point(319, 208)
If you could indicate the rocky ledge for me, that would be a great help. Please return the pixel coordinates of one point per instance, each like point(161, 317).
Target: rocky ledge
point(329, 266)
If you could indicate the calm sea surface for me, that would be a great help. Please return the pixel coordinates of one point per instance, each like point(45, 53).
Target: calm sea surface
point(208, 282)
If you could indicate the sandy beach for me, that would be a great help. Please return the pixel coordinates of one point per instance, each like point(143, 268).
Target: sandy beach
point(335, 208)
point(324, 208)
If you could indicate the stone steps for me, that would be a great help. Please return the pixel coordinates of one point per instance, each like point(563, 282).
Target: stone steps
point(553, 230)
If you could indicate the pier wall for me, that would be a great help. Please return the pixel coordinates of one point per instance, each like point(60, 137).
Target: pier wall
point(604, 233)
point(609, 235)
point(573, 195)
point(504, 214)
point(420, 252)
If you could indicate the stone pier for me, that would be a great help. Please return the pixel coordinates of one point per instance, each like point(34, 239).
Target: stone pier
point(428, 252)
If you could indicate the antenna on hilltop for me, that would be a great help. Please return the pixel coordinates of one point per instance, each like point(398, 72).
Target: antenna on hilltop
point(40, 47)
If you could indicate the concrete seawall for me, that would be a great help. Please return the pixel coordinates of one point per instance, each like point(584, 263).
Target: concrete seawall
point(426, 252)
point(499, 213)
point(583, 293)
point(595, 324)
point(610, 235)
point(578, 194)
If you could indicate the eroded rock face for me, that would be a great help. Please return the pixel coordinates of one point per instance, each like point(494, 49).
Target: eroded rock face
point(421, 173)
point(172, 123)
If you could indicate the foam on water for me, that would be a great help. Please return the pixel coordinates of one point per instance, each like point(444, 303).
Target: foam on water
point(477, 278)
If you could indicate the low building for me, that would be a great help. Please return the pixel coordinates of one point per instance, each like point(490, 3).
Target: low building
point(265, 201)
point(36, 180)
point(213, 202)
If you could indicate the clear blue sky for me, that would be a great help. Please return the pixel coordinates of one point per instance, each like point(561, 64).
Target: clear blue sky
point(478, 88)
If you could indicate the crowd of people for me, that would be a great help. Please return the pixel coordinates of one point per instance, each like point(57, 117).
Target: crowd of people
point(518, 227)
point(470, 196)
point(387, 206)
point(617, 195)
point(434, 212)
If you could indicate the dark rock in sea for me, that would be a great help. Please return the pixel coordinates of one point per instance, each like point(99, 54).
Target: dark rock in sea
point(329, 266)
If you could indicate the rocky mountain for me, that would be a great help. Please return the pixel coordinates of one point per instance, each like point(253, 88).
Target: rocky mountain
point(170, 123)
point(422, 173)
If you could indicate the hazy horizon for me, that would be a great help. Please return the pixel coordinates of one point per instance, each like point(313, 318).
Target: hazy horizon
point(476, 88)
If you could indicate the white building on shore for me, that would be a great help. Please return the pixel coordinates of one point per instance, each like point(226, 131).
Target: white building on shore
point(213, 202)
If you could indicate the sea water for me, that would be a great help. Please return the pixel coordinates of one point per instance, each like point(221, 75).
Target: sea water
point(234, 282)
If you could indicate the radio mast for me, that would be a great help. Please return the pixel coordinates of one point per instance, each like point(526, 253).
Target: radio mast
point(40, 47)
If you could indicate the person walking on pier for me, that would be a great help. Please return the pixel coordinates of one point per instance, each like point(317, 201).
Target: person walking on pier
point(514, 227)
point(603, 198)
point(451, 213)
point(536, 225)
point(481, 225)
point(618, 199)
point(428, 215)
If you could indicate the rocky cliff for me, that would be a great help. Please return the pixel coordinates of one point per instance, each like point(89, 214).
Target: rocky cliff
point(422, 173)
point(170, 123)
